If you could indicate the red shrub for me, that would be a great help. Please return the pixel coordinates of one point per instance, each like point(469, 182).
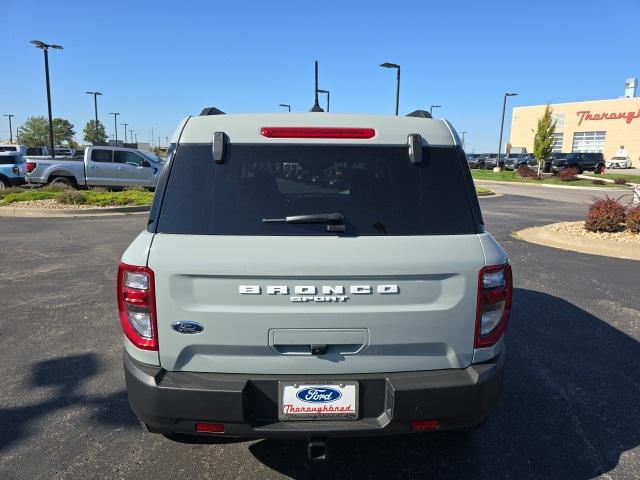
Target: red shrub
point(605, 215)
point(633, 219)
point(527, 172)
point(568, 174)
point(597, 181)
point(620, 181)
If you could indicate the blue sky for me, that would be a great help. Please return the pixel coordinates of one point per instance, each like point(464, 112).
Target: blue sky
point(157, 62)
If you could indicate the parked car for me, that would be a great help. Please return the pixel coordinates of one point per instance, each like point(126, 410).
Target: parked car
point(474, 160)
point(12, 147)
point(35, 151)
point(581, 161)
point(619, 162)
point(490, 160)
point(11, 169)
point(100, 166)
point(233, 328)
point(514, 160)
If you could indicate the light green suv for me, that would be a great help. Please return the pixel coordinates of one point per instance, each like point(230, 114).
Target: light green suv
point(314, 275)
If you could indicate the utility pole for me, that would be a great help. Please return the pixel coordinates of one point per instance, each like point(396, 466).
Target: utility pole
point(10, 115)
point(115, 124)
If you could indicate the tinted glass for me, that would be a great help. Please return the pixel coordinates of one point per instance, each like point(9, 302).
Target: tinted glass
point(101, 155)
point(8, 148)
point(9, 159)
point(130, 158)
point(377, 189)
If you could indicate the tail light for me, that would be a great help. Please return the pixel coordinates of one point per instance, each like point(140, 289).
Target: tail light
point(31, 166)
point(495, 286)
point(137, 305)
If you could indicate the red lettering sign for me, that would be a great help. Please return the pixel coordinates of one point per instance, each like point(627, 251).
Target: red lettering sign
point(586, 115)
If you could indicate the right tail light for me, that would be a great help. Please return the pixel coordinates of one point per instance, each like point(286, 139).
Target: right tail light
point(31, 166)
point(137, 305)
point(495, 288)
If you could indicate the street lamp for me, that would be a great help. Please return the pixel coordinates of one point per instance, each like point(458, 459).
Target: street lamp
point(394, 65)
point(432, 107)
point(462, 141)
point(9, 115)
point(95, 104)
point(115, 124)
point(125, 131)
point(285, 106)
point(327, 92)
point(316, 106)
point(131, 135)
point(504, 106)
point(45, 48)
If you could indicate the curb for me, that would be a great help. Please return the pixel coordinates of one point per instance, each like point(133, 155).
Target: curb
point(75, 212)
point(569, 187)
point(491, 195)
point(606, 248)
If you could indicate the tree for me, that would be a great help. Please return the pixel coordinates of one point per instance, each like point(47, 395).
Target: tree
point(543, 140)
point(34, 132)
point(90, 133)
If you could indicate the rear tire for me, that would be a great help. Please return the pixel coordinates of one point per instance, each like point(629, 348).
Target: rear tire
point(3, 184)
point(63, 181)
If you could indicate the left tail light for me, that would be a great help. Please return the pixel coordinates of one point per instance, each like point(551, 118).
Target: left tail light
point(495, 287)
point(31, 166)
point(137, 305)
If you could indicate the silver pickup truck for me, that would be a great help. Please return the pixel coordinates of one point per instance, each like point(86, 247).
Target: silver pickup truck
point(100, 166)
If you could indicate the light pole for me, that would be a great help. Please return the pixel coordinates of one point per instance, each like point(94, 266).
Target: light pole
point(504, 107)
point(136, 136)
point(45, 48)
point(394, 65)
point(9, 115)
point(115, 124)
point(285, 105)
point(432, 107)
point(316, 106)
point(131, 135)
point(327, 92)
point(95, 105)
point(462, 141)
point(125, 131)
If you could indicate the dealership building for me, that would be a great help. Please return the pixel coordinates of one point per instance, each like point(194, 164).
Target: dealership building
point(608, 126)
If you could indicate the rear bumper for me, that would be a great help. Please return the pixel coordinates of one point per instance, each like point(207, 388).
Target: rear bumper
point(247, 405)
point(15, 181)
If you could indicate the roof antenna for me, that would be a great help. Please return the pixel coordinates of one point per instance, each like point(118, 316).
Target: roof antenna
point(316, 106)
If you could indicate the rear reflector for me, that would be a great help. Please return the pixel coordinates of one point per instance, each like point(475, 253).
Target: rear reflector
point(209, 427)
point(316, 132)
point(424, 425)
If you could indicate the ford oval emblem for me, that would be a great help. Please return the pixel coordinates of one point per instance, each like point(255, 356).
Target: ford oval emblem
point(187, 326)
point(318, 394)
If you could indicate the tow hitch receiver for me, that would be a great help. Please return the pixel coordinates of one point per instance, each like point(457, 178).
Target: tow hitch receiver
point(317, 449)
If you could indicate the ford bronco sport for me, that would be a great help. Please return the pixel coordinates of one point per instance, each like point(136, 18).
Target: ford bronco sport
point(314, 275)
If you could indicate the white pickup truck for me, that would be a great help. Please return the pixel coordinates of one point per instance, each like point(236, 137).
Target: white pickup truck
point(100, 166)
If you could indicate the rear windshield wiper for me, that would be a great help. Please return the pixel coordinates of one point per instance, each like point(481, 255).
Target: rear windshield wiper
point(334, 221)
point(328, 218)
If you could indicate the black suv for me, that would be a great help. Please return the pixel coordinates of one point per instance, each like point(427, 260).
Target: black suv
point(580, 161)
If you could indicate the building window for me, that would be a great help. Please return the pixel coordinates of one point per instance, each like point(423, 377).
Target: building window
point(588, 141)
point(559, 119)
point(556, 147)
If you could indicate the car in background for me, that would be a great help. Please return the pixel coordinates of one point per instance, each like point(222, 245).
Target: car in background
point(474, 161)
point(11, 147)
point(490, 160)
point(619, 162)
point(65, 151)
point(515, 160)
point(99, 167)
point(11, 169)
point(35, 151)
point(581, 161)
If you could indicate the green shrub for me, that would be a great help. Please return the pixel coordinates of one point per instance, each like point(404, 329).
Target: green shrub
point(72, 197)
point(633, 219)
point(10, 190)
point(135, 188)
point(605, 215)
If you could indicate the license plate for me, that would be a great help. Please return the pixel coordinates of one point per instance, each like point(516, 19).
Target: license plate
point(318, 401)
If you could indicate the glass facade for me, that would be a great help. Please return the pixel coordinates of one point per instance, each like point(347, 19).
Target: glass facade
point(588, 142)
point(556, 147)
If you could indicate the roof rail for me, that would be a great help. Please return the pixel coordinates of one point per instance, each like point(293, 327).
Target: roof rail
point(419, 114)
point(211, 111)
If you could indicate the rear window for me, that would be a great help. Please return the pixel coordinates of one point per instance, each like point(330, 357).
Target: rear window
point(10, 159)
point(376, 189)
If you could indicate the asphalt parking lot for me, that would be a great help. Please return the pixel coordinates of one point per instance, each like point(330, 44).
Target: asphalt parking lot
point(570, 406)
